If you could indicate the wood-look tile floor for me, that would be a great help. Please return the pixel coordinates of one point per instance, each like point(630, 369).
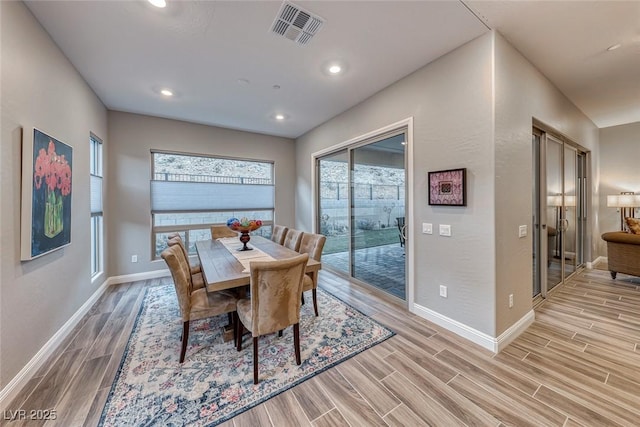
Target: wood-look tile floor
point(577, 365)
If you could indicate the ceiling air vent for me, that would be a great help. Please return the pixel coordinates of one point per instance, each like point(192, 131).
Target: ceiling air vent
point(296, 24)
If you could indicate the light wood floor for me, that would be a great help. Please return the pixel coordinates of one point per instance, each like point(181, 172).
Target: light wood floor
point(578, 364)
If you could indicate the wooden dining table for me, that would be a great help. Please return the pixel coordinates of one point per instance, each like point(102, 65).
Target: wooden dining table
point(221, 270)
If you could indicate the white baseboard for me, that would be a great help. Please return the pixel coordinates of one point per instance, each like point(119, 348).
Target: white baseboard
point(490, 343)
point(10, 391)
point(116, 280)
point(597, 260)
point(512, 332)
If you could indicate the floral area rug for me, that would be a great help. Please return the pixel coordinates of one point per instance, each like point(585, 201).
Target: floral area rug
point(215, 382)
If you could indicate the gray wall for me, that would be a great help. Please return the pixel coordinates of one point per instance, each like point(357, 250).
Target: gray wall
point(521, 94)
point(132, 136)
point(41, 88)
point(472, 108)
point(619, 171)
point(451, 103)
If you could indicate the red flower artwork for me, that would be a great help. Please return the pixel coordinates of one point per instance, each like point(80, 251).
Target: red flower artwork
point(52, 170)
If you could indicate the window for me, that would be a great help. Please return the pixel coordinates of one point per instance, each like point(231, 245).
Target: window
point(95, 171)
point(190, 193)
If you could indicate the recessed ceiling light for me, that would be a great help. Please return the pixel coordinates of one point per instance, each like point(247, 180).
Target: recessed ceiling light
point(243, 81)
point(614, 47)
point(166, 92)
point(280, 117)
point(334, 67)
point(158, 3)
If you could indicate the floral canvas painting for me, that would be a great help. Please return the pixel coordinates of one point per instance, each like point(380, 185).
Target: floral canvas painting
point(50, 177)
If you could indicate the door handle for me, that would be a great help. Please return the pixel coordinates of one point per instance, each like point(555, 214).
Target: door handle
point(403, 231)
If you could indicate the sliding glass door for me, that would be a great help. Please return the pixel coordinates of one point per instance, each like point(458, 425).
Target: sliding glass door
point(333, 209)
point(559, 212)
point(361, 210)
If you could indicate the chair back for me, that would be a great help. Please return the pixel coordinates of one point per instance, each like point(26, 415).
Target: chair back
point(276, 291)
point(292, 239)
point(179, 268)
point(312, 244)
point(177, 241)
point(220, 231)
point(278, 234)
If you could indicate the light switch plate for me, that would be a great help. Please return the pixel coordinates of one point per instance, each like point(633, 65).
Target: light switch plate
point(445, 230)
point(427, 228)
point(522, 231)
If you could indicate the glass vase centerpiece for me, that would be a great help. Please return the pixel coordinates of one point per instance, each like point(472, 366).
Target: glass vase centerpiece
point(244, 226)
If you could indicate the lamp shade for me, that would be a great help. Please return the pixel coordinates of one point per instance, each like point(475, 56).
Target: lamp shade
point(554, 200)
point(623, 201)
point(557, 200)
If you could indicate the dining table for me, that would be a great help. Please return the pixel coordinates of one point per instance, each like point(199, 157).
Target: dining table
point(224, 266)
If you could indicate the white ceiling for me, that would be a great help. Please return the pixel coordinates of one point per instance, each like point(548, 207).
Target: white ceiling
point(128, 50)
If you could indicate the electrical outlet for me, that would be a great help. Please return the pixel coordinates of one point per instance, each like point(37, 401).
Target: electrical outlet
point(443, 291)
point(134, 258)
point(510, 300)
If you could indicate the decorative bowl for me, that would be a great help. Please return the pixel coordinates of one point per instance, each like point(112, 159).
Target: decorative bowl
point(244, 226)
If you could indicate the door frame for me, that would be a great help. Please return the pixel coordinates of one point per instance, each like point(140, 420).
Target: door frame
point(409, 187)
point(541, 175)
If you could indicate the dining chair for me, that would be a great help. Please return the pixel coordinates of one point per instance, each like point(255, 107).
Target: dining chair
point(312, 244)
point(292, 239)
point(220, 231)
point(274, 303)
point(278, 234)
point(195, 304)
point(197, 280)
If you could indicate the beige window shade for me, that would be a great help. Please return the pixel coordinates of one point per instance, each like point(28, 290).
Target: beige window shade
point(96, 195)
point(176, 196)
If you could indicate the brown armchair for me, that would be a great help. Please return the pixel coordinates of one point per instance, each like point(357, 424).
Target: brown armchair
point(623, 253)
point(274, 304)
point(312, 244)
point(194, 304)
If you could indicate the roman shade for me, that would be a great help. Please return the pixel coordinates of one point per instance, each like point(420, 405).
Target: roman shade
point(177, 196)
point(96, 194)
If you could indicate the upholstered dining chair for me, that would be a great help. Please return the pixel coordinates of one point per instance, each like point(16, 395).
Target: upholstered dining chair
point(220, 231)
point(312, 244)
point(279, 233)
point(197, 280)
point(195, 304)
point(176, 239)
point(292, 239)
point(274, 303)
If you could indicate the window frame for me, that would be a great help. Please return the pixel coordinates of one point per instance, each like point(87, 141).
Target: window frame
point(184, 229)
point(97, 218)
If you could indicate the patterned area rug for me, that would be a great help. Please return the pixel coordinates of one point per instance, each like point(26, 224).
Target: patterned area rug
point(215, 382)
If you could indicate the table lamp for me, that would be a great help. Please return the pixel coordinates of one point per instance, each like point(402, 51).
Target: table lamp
point(626, 202)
